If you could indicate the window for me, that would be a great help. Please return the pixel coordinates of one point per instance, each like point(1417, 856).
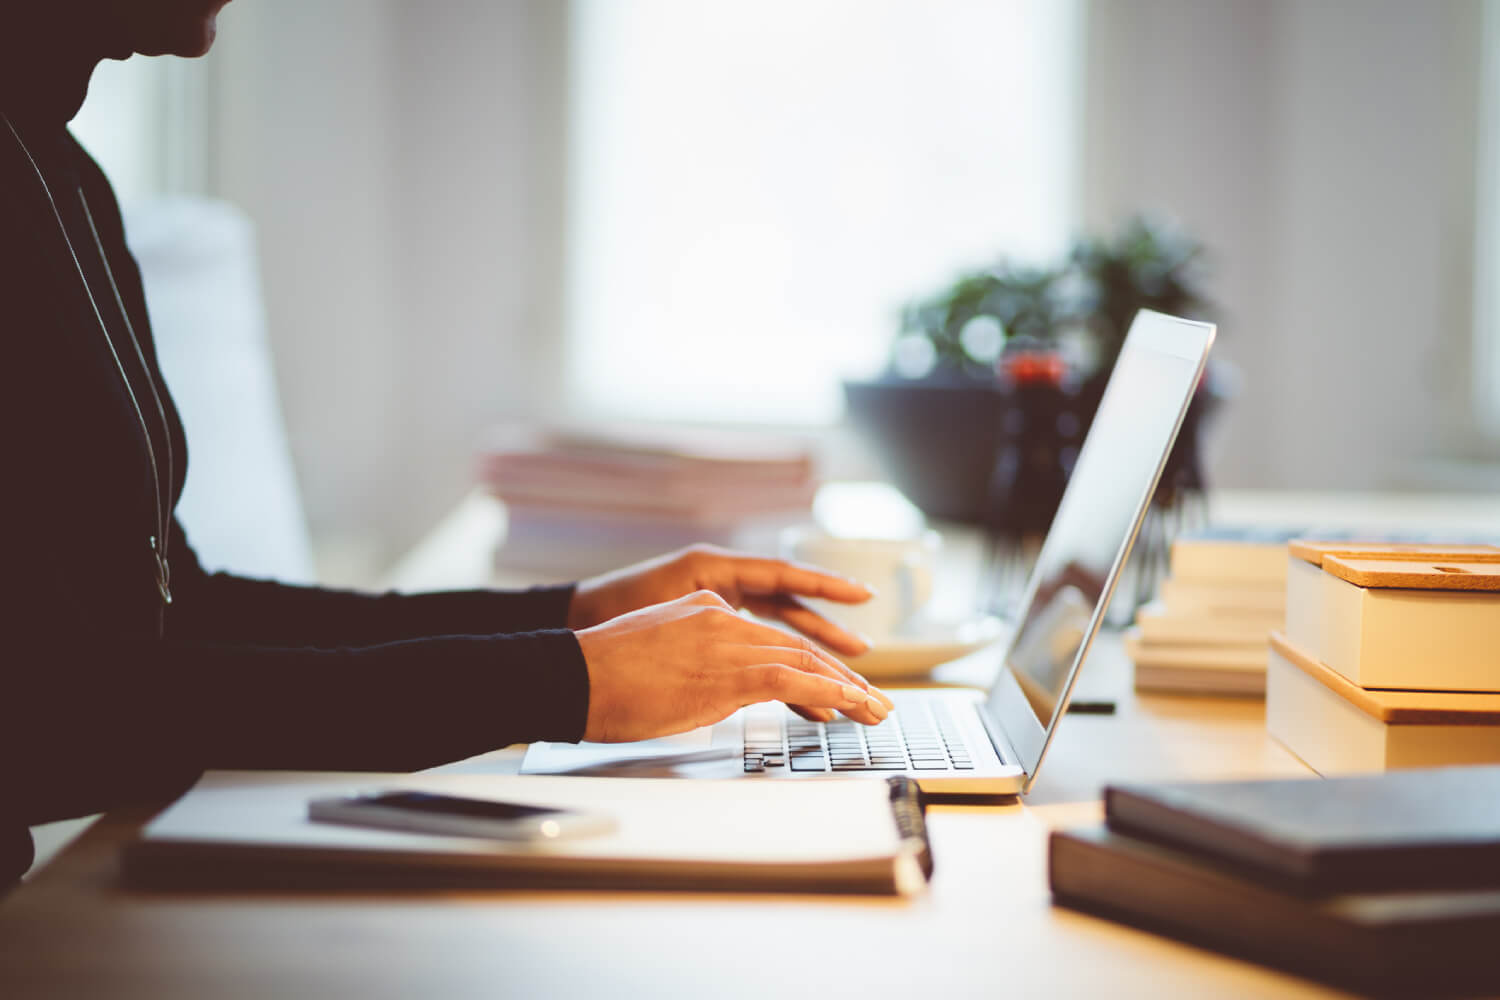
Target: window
point(756, 188)
point(142, 122)
point(1487, 228)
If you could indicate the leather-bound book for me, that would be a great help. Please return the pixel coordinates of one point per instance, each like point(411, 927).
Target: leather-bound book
point(1413, 829)
point(1412, 943)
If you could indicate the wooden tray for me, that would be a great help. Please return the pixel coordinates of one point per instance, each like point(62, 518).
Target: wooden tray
point(1399, 708)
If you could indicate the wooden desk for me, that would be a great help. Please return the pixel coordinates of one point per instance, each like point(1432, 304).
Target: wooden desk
point(986, 928)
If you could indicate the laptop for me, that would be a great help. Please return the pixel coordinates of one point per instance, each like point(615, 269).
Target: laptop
point(963, 741)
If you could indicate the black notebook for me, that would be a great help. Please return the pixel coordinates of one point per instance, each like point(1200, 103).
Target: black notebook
point(1407, 829)
point(1393, 943)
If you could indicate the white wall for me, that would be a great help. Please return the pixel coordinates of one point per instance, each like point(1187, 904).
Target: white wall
point(480, 162)
point(1324, 151)
point(402, 163)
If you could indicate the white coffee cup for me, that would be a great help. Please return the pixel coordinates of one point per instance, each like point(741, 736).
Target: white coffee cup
point(899, 570)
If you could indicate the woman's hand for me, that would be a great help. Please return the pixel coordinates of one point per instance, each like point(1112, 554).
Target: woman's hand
point(693, 661)
point(770, 588)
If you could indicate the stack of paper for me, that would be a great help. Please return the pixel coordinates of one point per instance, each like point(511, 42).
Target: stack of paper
point(584, 501)
point(1390, 656)
point(1207, 630)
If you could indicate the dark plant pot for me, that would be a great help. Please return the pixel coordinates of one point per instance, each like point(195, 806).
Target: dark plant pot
point(1042, 430)
point(936, 438)
point(981, 453)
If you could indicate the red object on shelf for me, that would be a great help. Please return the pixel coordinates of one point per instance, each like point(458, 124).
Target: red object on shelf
point(1032, 367)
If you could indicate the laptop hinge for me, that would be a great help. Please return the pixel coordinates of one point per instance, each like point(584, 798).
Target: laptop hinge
point(990, 729)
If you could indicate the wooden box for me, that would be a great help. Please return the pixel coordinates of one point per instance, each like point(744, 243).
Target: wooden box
point(1338, 727)
point(1414, 617)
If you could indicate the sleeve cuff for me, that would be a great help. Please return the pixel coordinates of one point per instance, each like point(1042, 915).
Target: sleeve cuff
point(553, 604)
point(556, 705)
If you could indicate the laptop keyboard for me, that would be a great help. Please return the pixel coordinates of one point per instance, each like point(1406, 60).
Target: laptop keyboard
point(921, 737)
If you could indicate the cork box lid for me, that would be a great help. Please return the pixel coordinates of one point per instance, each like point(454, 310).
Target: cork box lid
point(1446, 574)
point(1315, 550)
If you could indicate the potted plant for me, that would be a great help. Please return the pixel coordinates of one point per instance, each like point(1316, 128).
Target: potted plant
point(1147, 265)
point(937, 416)
point(994, 380)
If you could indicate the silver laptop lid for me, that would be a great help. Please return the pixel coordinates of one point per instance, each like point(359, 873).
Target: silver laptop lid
point(1080, 562)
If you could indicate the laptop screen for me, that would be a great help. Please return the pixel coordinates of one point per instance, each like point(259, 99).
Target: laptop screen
point(1106, 497)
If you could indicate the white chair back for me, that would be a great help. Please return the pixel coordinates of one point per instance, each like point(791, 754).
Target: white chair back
point(240, 508)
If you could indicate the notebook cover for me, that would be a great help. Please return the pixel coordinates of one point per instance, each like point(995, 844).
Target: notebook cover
point(1405, 829)
point(1418, 944)
point(234, 831)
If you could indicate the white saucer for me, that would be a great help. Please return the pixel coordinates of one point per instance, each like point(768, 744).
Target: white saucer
point(916, 650)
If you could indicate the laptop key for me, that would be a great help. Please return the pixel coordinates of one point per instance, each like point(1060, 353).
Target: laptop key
point(809, 764)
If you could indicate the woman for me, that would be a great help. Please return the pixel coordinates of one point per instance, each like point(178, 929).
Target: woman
point(128, 669)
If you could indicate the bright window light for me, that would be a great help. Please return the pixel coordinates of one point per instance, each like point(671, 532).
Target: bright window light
point(144, 122)
point(1487, 229)
point(756, 188)
point(121, 125)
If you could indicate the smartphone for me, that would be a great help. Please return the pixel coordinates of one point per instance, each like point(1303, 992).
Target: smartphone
point(425, 812)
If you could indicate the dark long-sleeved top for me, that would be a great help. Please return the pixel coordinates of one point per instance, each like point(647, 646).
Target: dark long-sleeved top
point(108, 695)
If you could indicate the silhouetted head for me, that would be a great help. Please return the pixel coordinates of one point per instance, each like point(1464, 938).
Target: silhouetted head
point(49, 48)
point(156, 27)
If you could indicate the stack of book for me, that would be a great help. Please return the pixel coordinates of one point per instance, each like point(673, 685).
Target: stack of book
point(1206, 631)
point(1390, 656)
point(1383, 884)
point(584, 501)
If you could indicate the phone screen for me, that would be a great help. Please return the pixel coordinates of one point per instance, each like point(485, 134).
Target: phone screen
point(450, 805)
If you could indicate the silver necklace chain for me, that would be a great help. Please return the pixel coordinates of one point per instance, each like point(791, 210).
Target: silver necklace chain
point(158, 541)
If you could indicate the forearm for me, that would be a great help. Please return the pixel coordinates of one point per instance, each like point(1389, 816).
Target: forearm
point(107, 723)
point(239, 610)
point(224, 608)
